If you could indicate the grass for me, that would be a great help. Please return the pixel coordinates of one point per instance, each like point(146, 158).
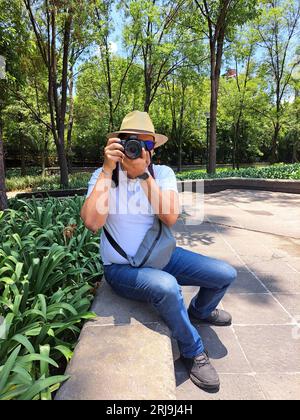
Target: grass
point(80, 179)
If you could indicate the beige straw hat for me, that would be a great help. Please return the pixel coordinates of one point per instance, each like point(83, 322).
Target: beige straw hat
point(137, 122)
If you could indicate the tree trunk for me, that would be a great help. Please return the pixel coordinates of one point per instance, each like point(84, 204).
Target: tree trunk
point(64, 179)
point(236, 137)
point(70, 122)
point(22, 147)
point(147, 96)
point(180, 127)
point(216, 51)
point(296, 137)
point(44, 157)
point(274, 148)
point(63, 165)
point(3, 196)
point(213, 126)
point(109, 87)
point(179, 166)
point(43, 163)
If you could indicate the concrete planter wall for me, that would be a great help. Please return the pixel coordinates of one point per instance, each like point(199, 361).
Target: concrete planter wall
point(210, 186)
point(215, 185)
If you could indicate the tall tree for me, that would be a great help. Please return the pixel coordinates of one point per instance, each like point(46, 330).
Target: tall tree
point(12, 45)
point(52, 23)
point(104, 26)
point(156, 28)
point(242, 55)
point(3, 197)
point(221, 17)
point(277, 27)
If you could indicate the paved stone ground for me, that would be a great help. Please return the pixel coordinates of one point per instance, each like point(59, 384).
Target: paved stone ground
point(258, 232)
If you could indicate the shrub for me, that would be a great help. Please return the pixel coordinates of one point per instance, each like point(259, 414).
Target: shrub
point(279, 171)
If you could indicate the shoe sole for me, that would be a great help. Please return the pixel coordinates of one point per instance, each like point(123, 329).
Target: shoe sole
point(203, 386)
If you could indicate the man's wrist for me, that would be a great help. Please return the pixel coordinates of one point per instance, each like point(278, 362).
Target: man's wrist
point(107, 171)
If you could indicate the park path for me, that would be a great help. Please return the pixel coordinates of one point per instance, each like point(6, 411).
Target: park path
point(258, 232)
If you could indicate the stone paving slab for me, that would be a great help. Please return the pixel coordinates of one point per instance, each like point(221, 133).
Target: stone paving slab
point(259, 210)
point(280, 386)
point(291, 302)
point(270, 348)
point(281, 281)
point(246, 282)
point(233, 387)
point(223, 349)
point(255, 309)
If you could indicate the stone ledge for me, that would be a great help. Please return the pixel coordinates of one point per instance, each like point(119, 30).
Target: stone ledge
point(125, 353)
point(220, 184)
point(210, 186)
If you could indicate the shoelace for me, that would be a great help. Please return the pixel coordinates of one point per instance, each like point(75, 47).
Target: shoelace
point(215, 314)
point(202, 360)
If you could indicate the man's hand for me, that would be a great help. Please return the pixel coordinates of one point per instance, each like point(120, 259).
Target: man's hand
point(136, 167)
point(113, 153)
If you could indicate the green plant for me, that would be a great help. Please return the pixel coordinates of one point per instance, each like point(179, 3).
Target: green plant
point(48, 260)
point(278, 171)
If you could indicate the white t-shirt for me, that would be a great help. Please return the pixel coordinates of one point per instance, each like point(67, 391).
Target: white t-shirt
point(130, 214)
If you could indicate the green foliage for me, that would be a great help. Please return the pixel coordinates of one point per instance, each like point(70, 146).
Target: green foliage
point(173, 55)
point(51, 182)
point(47, 263)
point(277, 171)
point(80, 180)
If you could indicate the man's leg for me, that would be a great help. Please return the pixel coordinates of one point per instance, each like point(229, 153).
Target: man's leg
point(161, 290)
point(214, 276)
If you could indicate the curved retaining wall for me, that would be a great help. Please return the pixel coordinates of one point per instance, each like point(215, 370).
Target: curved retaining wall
point(210, 186)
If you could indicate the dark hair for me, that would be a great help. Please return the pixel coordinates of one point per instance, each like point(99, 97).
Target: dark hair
point(115, 174)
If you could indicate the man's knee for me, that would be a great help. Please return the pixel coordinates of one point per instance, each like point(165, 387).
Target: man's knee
point(229, 274)
point(166, 287)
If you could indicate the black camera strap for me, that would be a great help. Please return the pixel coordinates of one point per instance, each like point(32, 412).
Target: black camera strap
point(114, 244)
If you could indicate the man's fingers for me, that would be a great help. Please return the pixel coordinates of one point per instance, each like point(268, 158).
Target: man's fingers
point(115, 152)
point(146, 157)
point(114, 158)
point(114, 146)
point(112, 140)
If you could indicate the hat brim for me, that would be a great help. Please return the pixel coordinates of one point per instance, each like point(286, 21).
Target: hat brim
point(160, 139)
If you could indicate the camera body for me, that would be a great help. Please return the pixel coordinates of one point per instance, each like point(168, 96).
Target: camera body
point(133, 147)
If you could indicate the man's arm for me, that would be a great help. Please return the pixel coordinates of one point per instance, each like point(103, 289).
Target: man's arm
point(95, 208)
point(165, 203)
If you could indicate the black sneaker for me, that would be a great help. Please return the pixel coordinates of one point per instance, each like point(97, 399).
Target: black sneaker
point(217, 317)
point(202, 373)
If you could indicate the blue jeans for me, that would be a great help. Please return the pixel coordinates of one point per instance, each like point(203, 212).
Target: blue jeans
point(162, 289)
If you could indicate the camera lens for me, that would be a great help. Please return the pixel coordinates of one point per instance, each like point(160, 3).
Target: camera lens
point(133, 149)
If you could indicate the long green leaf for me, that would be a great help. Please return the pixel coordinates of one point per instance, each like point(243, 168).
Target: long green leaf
point(40, 385)
point(19, 338)
point(8, 367)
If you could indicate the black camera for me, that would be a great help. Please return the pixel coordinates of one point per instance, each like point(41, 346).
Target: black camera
point(133, 147)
